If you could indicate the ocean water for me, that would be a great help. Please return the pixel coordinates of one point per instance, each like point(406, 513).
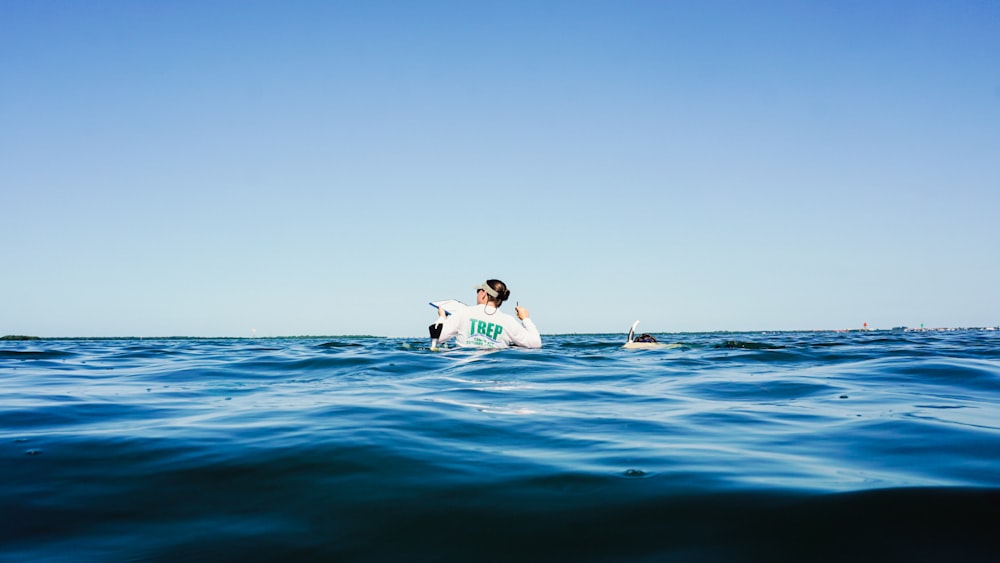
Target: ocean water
point(878, 446)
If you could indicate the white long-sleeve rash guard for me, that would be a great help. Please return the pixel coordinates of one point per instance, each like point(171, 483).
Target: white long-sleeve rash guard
point(485, 326)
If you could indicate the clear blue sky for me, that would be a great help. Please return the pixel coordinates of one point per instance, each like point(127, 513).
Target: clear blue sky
point(210, 168)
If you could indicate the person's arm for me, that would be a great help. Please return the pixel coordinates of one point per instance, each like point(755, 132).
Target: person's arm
point(527, 335)
point(449, 325)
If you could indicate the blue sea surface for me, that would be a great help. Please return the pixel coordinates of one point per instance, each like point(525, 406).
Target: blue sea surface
point(789, 446)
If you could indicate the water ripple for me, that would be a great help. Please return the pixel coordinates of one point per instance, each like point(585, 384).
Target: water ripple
point(361, 448)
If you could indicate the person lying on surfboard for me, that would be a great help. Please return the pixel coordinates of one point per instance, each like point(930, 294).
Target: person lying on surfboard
point(643, 341)
point(483, 325)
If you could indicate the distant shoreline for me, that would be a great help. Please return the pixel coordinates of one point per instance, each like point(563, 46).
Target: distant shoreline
point(22, 338)
point(26, 338)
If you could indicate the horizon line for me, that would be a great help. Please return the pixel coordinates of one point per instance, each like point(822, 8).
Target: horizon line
point(20, 337)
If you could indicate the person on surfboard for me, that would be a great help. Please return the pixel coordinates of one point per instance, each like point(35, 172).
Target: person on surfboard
point(644, 341)
point(483, 325)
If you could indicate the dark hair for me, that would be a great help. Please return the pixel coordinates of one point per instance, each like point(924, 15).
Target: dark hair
point(503, 293)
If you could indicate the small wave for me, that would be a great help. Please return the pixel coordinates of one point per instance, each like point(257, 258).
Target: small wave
point(748, 345)
point(589, 345)
point(35, 354)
